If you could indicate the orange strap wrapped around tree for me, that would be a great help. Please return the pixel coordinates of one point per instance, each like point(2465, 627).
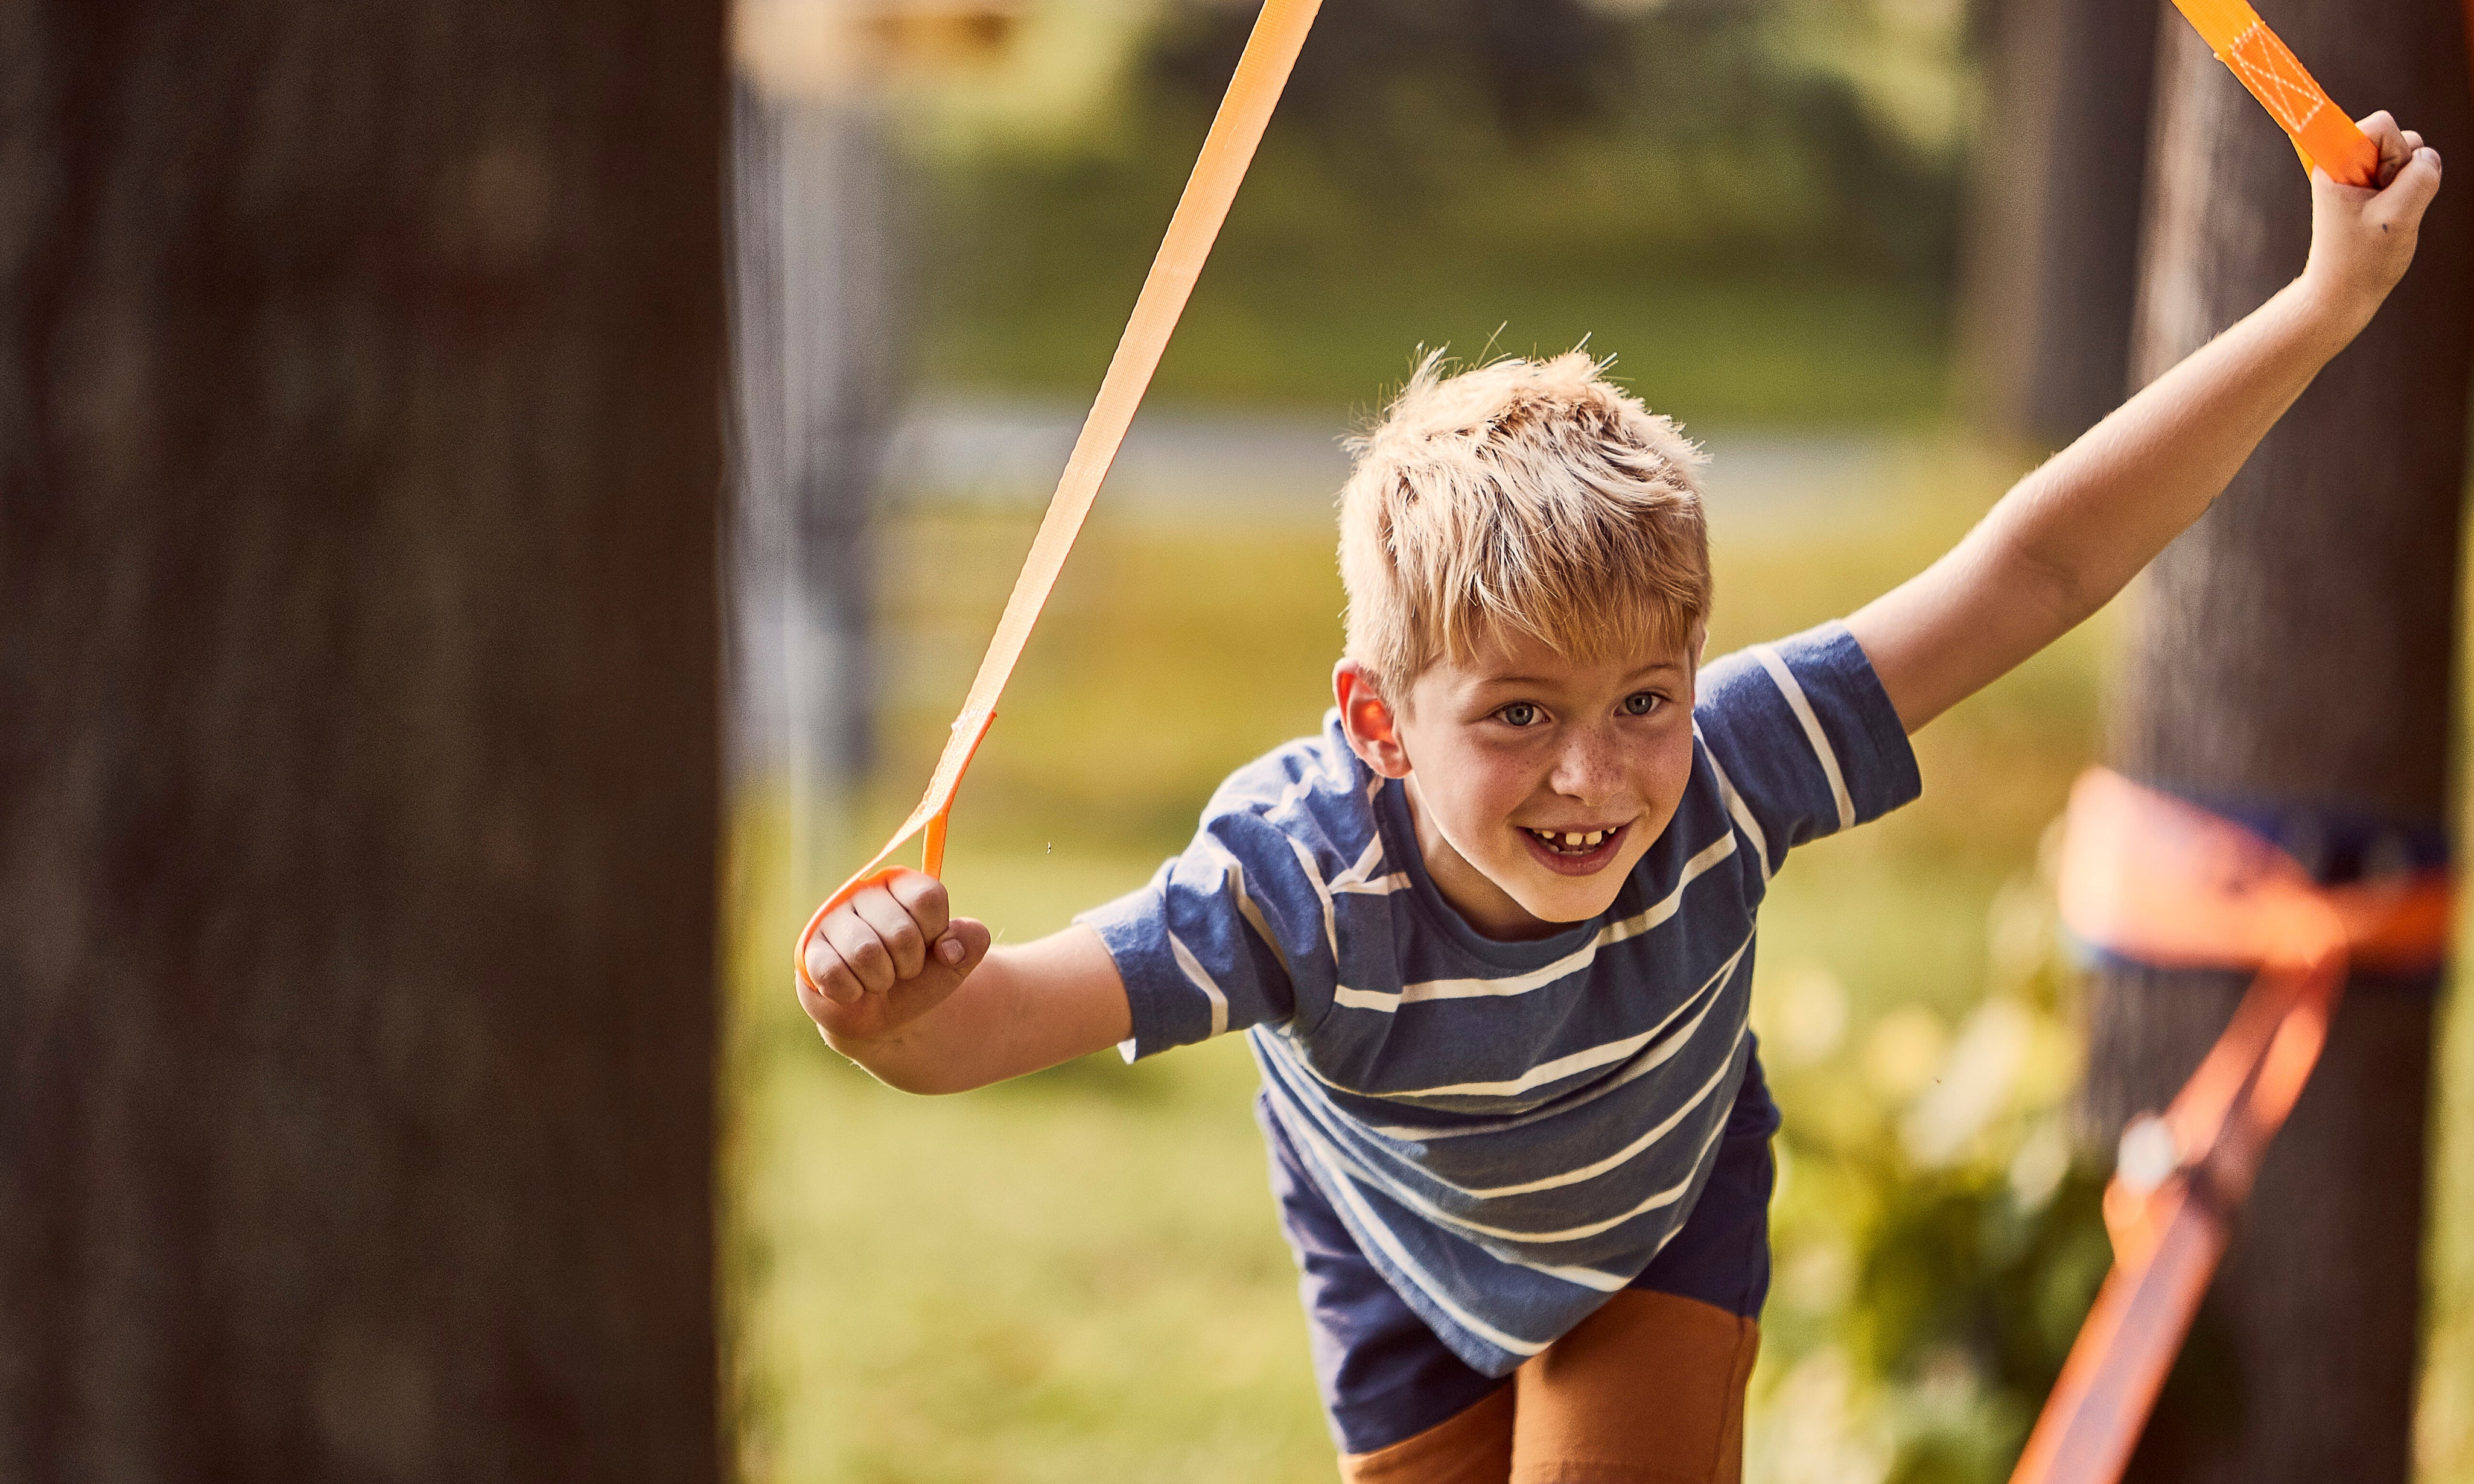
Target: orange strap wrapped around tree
point(2167, 883)
point(2320, 131)
point(1262, 71)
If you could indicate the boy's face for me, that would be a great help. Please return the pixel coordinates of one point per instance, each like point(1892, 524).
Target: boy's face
point(1516, 746)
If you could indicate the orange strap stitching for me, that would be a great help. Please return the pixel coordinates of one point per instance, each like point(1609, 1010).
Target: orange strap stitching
point(1262, 71)
point(2320, 130)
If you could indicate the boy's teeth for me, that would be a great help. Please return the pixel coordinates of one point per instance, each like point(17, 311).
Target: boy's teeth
point(1573, 840)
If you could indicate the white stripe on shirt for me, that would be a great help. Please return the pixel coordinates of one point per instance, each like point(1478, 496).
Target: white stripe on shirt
point(1202, 977)
point(1232, 873)
point(1289, 796)
point(1294, 1056)
point(1737, 807)
point(1433, 1213)
point(1560, 1107)
point(1375, 1226)
point(1367, 860)
point(1593, 1170)
point(1323, 893)
point(1812, 732)
point(1584, 1278)
point(1379, 886)
point(1577, 1061)
point(1360, 879)
point(1563, 968)
point(1666, 907)
point(1409, 1197)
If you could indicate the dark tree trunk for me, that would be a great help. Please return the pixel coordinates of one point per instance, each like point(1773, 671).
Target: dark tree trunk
point(2053, 266)
point(359, 450)
point(2291, 661)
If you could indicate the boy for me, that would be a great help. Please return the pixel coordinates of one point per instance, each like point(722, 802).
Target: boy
point(1492, 932)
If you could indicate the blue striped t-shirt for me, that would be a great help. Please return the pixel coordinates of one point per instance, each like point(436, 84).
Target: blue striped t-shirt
point(1511, 1131)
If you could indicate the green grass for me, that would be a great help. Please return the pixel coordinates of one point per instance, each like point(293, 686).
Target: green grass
point(1073, 1278)
point(1802, 350)
point(1078, 1277)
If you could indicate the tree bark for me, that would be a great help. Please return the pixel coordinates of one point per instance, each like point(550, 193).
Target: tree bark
point(359, 451)
point(2291, 661)
point(2052, 262)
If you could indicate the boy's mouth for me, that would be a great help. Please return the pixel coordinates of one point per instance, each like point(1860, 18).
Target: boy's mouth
point(1573, 852)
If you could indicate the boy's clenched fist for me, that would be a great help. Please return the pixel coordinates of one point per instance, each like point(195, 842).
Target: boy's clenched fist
point(2363, 238)
point(886, 957)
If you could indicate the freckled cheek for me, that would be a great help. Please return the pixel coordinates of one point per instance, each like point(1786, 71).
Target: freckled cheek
point(1662, 781)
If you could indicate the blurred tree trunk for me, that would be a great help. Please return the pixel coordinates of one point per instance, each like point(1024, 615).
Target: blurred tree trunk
point(359, 451)
point(2291, 661)
point(2052, 262)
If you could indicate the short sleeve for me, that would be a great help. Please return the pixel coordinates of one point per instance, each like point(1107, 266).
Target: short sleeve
point(1222, 939)
point(1804, 739)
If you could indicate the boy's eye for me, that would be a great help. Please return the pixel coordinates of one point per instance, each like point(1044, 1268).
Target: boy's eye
point(1640, 703)
point(1519, 713)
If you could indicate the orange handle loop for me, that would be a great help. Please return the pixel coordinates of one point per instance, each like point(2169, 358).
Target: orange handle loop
point(1262, 71)
point(2170, 884)
point(2320, 130)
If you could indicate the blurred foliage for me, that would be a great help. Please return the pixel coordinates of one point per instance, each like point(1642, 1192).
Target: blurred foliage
point(1381, 78)
point(1754, 204)
point(1939, 1239)
point(1714, 133)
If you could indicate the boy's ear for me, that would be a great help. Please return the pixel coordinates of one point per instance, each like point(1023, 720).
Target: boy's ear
point(1372, 730)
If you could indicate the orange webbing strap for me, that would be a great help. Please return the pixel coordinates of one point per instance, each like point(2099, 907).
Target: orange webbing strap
point(1271, 51)
point(2320, 130)
point(2164, 882)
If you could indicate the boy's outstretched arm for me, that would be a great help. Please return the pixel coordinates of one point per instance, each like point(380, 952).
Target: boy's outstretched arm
point(2068, 537)
point(917, 999)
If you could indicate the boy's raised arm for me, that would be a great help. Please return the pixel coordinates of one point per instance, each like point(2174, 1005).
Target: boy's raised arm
point(917, 999)
point(2070, 535)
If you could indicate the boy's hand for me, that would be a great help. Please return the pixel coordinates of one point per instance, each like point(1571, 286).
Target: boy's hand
point(2362, 239)
point(886, 957)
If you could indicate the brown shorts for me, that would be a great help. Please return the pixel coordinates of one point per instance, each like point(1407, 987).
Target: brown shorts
point(1648, 1390)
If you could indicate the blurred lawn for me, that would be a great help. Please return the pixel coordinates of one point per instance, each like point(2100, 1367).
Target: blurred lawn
point(1078, 1277)
point(1804, 349)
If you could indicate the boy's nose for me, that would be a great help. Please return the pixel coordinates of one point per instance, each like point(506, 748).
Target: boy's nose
point(1590, 770)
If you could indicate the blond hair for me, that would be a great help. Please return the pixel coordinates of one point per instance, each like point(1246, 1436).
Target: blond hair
point(1520, 497)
